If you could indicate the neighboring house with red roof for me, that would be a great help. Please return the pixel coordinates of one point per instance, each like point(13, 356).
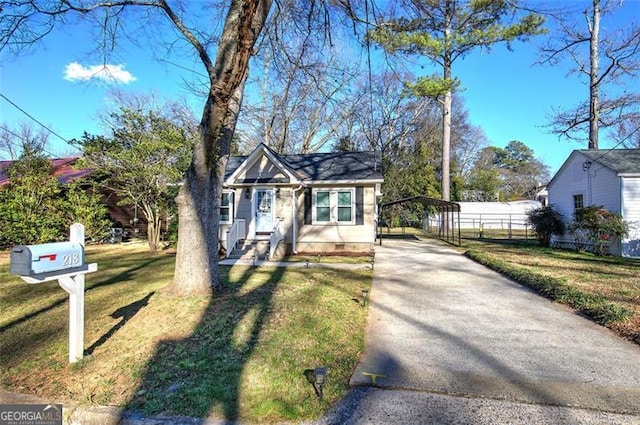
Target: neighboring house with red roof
point(126, 217)
point(63, 168)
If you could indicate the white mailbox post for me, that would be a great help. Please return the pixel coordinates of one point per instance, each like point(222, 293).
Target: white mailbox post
point(64, 262)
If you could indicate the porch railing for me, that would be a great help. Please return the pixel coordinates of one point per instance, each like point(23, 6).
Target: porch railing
point(234, 234)
point(276, 236)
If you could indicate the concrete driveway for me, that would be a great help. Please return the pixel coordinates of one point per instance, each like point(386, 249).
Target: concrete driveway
point(450, 341)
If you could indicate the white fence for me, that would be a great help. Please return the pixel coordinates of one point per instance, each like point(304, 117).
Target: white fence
point(493, 221)
point(484, 224)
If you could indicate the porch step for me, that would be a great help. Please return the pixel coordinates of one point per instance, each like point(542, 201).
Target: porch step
point(249, 249)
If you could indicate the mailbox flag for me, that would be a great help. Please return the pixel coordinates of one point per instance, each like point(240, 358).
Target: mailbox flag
point(50, 257)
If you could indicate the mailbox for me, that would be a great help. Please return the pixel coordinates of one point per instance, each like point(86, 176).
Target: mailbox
point(29, 260)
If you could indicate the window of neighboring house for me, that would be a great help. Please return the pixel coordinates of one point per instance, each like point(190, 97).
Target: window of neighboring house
point(226, 207)
point(578, 202)
point(334, 206)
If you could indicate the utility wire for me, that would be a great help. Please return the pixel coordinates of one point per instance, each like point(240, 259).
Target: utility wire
point(616, 145)
point(30, 116)
point(13, 133)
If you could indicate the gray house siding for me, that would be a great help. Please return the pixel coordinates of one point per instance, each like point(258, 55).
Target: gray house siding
point(349, 181)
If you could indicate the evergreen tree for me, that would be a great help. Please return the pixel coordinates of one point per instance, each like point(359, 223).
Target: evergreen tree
point(444, 31)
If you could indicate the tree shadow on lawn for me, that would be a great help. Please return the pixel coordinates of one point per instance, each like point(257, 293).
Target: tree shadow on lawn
point(201, 375)
point(126, 313)
point(125, 275)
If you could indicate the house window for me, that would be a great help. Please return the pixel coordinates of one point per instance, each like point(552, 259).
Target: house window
point(323, 206)
point(226, 207)
point(578, 202)
point(345, 206)
point(334, 206)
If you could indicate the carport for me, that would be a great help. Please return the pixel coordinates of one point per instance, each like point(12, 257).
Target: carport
point(447, 214)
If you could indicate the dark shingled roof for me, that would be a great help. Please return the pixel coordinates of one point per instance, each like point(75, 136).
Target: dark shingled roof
point(621, 161)
point(325, 166)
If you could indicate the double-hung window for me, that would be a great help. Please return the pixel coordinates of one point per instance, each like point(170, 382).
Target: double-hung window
point(578, 202)
point(226, 207)
point(334, 206)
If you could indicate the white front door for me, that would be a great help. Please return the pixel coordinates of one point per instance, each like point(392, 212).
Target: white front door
point(264, 210)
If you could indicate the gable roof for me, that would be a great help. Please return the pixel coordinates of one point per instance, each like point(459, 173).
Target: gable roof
point(262, 150)
point(63, 168)
point(315, 167)
point(621, 161)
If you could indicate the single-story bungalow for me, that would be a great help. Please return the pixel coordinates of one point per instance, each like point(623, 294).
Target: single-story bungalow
point(607, 177)
point(306, 203)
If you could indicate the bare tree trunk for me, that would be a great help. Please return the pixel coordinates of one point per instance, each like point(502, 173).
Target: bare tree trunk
point(446, 147)
point(446, 112)
point(594, 29)
point(199, 198)
point(152, 214)
point(153, 233)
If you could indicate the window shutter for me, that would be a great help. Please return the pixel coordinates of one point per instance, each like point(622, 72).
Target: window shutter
point(359, 205)
point(307, 205)
point(232, 205)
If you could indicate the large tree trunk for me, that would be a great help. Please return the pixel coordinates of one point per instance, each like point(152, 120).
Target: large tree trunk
point(198, 201)
point(594, 29)
point(446, 109)
point(446, 146)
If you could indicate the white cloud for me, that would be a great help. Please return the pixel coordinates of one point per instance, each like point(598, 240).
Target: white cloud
point(109, 73)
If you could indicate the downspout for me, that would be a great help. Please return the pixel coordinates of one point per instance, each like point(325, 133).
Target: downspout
point(621, 186)
point(294, 218)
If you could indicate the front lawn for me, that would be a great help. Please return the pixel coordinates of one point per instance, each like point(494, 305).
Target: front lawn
point(606, 289)
point(240, 354)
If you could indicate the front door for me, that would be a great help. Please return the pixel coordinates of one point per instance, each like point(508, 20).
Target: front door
point(264, 211)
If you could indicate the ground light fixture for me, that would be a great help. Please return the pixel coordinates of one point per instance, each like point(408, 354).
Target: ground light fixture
point(316, 377)
point(365, 297)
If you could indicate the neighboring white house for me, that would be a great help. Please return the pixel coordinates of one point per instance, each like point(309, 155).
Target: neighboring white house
point(311, 203)
point(610, 178)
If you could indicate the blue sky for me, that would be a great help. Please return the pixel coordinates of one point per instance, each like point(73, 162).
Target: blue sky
point(505, 93)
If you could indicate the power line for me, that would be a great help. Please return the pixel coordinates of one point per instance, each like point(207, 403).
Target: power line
point(11, 132)
point(23, 139)
point(616, 145)
point(34, 119)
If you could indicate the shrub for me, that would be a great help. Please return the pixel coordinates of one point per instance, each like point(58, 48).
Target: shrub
point(545, 221)
point(597, 228)
point(35, 208)
point(83, 205)
point(30, 203)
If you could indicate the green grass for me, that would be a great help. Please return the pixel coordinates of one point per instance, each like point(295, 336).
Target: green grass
point(240, 354)
point(605, 289)
point(350, 258)
point(515, 234)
